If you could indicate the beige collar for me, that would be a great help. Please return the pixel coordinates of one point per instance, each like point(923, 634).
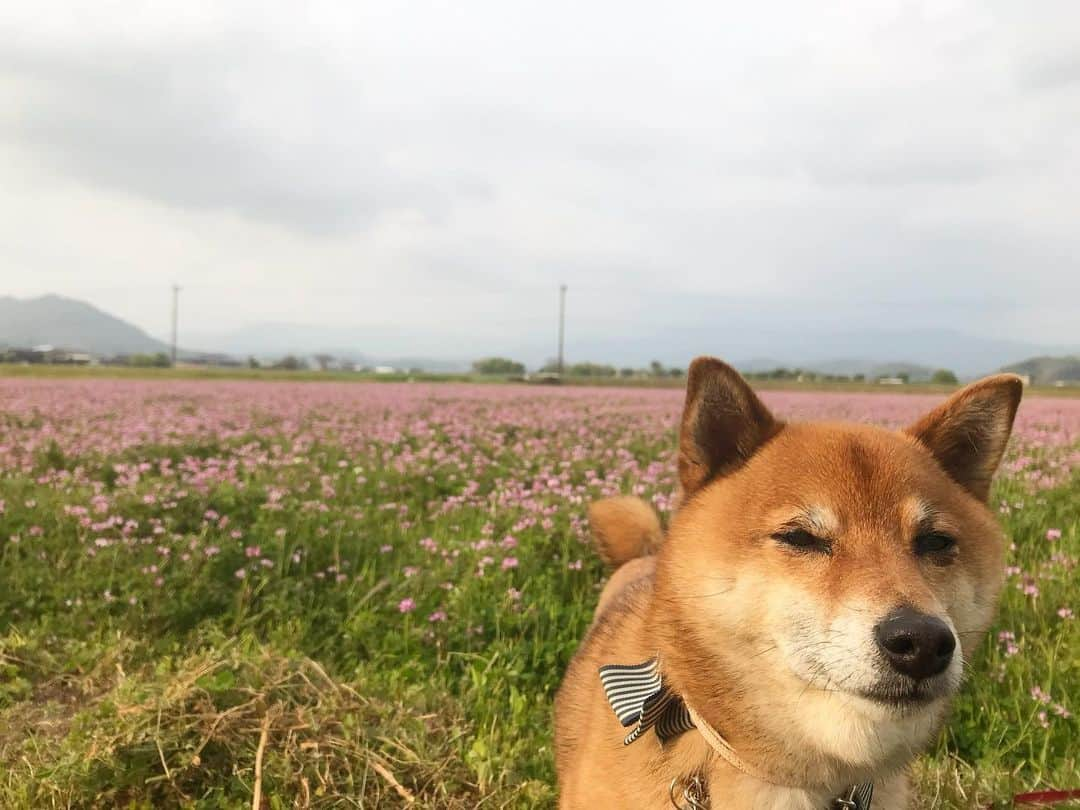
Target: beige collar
point(639, 698)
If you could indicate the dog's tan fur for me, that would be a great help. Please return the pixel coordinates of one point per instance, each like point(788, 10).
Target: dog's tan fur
point(771, 647)
point(624, 529)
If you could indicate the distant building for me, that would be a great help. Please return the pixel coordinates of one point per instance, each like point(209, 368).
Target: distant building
point(47, 353)
point(22, 356)
point(1025, 379)
point(385, 370)
point(890, 381)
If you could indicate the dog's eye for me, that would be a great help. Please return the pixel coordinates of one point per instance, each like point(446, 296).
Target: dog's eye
point(802, 540)
point(934, 543)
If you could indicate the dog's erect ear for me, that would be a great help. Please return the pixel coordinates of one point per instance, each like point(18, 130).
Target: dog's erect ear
point(723, 423)
point(968, 432)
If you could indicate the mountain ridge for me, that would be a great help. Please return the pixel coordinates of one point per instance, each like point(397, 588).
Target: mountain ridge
point(77, 325)
point(1048, 370)
point(69, 323)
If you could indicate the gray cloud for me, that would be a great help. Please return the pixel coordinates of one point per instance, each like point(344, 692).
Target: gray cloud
point(1059, 71)
point(411, 166)
point(171, 126)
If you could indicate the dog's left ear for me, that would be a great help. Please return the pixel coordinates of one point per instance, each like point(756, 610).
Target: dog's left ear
point(968, 432)
point(723, 423)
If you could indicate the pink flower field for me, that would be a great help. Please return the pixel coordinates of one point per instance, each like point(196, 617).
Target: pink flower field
point(385, 582)
point(104, 417)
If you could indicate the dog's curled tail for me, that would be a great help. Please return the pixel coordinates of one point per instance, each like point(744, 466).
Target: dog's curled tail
point(624, 528)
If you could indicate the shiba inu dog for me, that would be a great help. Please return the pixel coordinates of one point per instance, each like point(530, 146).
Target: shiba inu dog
point(794, 640)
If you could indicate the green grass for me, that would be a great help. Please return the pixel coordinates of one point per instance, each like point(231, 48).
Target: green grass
point(342, 700)
point(995, 744)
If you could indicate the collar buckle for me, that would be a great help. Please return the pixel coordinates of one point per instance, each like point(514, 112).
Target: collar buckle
point(694, 793)
point(857, 797)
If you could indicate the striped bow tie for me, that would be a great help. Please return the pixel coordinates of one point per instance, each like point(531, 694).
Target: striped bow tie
point(639, 698)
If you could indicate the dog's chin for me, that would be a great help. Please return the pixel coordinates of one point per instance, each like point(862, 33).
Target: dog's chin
point(904, 697)
point(890, 696)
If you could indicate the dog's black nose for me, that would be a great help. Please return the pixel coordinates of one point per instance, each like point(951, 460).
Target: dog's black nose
point(914, 643)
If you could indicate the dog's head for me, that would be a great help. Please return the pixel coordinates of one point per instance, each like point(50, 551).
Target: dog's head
point(839, 574)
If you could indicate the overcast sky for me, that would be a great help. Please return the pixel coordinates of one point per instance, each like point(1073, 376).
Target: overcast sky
point(438, 168)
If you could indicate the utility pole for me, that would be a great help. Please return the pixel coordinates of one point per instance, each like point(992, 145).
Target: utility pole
point(175, 318)
point(562, 323)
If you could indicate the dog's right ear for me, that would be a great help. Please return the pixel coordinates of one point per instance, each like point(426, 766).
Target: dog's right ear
point(968, 433)
point(723, 423)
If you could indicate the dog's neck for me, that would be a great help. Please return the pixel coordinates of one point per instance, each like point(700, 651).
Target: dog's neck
point(694, 755)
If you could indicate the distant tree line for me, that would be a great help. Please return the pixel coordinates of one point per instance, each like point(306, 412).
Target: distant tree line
point(504, 366)
point(290, 362)
point(941, 376)
point(584, 369)
point(488, 366)
point(498, 365)
point(156, 360)
point(797, 374)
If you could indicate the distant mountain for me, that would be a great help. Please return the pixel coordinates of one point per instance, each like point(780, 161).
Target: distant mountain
point(1048, 370)
point(277, 339)
point(871, 370)
point(361, 345)
point(748, 339)
point(751, 338)
point(70, 324)
point(741, 339)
